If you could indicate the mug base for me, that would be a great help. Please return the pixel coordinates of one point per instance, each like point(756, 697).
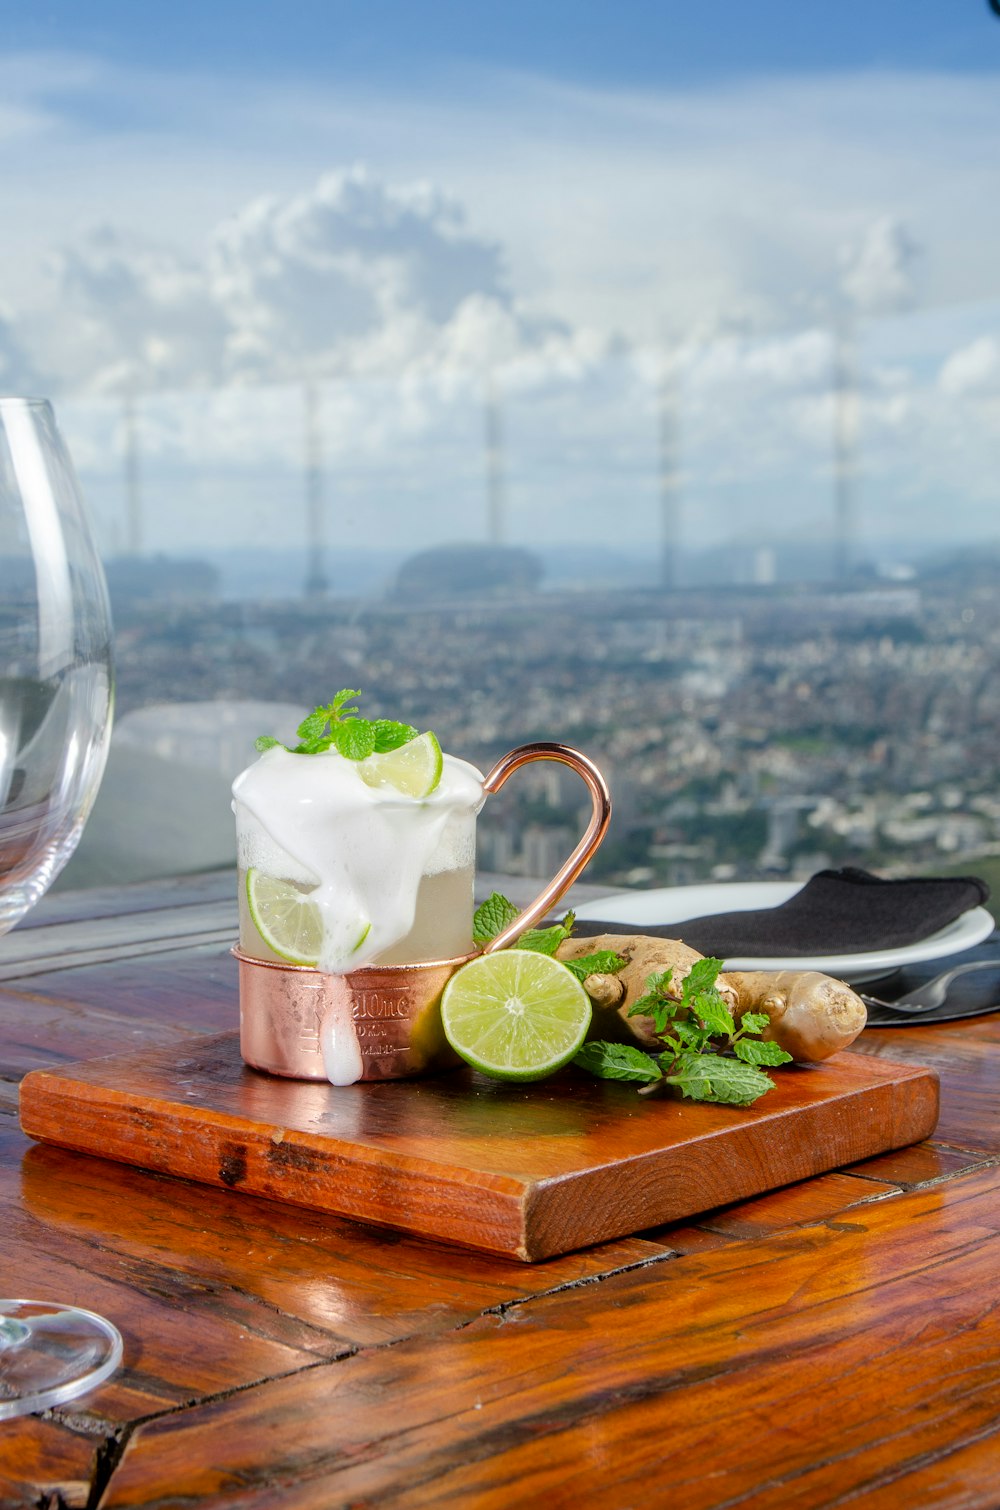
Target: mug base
point(381, 1022)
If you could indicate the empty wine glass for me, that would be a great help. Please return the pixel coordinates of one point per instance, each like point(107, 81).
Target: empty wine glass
point(55, 722)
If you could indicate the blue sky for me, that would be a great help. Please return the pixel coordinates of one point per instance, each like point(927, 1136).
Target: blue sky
point(632, 42)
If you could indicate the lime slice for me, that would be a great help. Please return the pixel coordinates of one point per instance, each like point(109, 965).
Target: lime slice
point(515, 1014)
point(413, 769)
point(289, 923)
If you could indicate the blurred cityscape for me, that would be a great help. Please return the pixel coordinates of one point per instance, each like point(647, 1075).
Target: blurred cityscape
point(746, 732)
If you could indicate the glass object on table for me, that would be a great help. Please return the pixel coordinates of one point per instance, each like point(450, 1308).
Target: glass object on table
point(56, 693)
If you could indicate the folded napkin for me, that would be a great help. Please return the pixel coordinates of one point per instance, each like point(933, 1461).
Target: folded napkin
point(845, 911)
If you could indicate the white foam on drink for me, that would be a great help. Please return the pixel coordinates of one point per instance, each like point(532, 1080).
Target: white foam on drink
point(256, 850)
point(361, 849)
point(338, 1041)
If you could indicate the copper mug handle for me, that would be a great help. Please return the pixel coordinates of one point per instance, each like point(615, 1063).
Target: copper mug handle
point(597, 827)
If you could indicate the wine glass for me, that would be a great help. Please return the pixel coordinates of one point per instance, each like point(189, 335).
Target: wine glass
point(56, 691)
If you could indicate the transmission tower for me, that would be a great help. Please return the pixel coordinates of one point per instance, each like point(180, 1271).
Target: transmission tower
point(316, 583)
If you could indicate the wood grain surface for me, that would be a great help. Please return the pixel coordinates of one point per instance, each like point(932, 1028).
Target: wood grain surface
point(965, 1056)
point(800, 1371)
point(525, 1171)
point(829, 1343)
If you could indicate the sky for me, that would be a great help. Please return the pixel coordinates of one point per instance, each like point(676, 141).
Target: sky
point(625, 42)
point(566, 209)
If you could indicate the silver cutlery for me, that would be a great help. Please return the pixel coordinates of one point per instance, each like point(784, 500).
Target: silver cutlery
point(933, 992)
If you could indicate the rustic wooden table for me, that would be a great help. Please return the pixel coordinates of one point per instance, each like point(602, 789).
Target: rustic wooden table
point(832, 1342)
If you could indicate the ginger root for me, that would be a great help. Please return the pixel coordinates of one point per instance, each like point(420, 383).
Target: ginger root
point(810, 1015)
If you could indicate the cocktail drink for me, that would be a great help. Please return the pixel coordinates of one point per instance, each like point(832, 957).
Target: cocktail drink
point(356, 859)
point(337, 871)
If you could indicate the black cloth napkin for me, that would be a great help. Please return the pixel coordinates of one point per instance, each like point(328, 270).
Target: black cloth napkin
point(845, 911)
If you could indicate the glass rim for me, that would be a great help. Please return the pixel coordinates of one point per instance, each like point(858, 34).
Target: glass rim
point(23, 401)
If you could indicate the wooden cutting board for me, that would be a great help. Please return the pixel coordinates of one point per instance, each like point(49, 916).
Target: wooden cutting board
point(523, 1171)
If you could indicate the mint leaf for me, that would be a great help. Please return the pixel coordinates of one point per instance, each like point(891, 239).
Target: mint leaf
point(710, 1077)
point(655, 995)
point(656, 1003)
point(688, 1071)
point(313, 746)
point(354, 738)
point(321, 728)
point(711, 1010)
point(601, 962)
point(313, 727)
point(492, 917)
point(617, 1061)
point(754, 1022)
point(547, 940)
point(390, 735)
point(267, 742)
point(701, 977)
point(542, 940)
point(338, 708)
point(759, 1051)
point(691, 1035)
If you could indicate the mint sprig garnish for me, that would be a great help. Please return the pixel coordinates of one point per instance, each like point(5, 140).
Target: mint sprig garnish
point(705, 1055)
point(339, 726)
point(497, 913)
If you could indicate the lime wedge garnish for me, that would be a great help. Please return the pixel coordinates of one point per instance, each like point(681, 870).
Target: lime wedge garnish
point(515, 1014)
point(414, 769)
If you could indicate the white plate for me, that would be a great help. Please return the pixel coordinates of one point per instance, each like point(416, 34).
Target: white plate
point(674, 904)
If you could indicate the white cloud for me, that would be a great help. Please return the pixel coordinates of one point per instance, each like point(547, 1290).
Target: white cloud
point(558, 228)
point(16, 373)
point(124, 313)
point(648, 213)
point(974, 368)
point(354, 277)
point(320, 276)
point(799, 360)
point(16, 124)
point(877, 273)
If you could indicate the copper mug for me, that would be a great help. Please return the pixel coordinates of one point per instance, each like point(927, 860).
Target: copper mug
point(392, 1012)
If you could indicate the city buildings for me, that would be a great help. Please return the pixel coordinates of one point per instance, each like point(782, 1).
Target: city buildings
point(745, 732)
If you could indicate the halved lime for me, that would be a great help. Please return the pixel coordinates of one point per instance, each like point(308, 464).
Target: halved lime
point(413, 769)
point(515, 1014)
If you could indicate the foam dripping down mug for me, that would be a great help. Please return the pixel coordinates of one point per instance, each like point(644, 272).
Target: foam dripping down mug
point(395, 877)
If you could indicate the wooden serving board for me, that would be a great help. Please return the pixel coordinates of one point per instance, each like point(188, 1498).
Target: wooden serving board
point(523, 1171)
